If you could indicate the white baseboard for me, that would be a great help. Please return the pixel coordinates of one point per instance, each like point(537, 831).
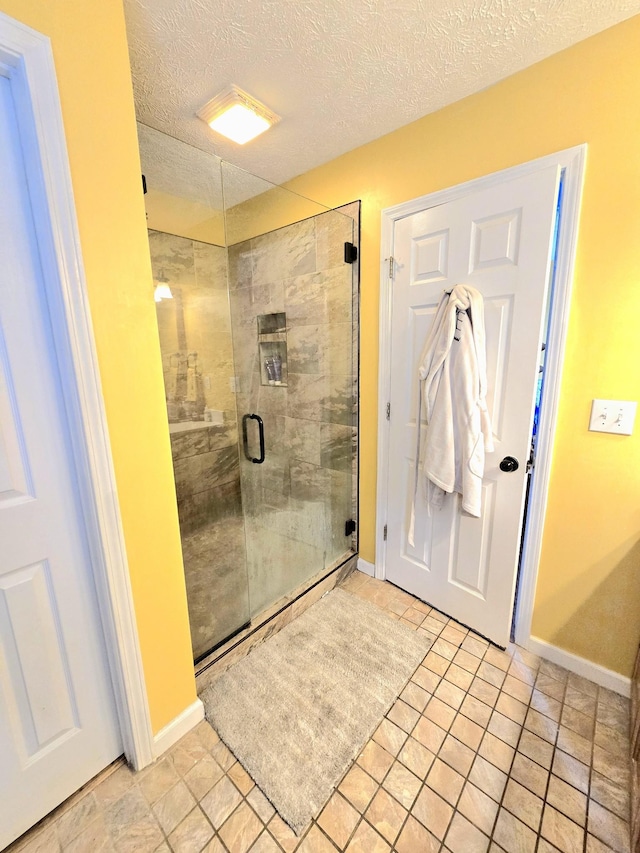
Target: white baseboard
point(366, 567)
point(177, 728)
point(581, 666)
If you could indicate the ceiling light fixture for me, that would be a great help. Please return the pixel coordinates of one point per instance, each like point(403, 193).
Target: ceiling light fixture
point(236, 115)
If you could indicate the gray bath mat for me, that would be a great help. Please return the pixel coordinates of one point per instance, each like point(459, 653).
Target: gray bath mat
point(299, 708)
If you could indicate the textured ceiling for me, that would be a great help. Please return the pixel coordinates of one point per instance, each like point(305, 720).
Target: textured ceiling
point(339, 72)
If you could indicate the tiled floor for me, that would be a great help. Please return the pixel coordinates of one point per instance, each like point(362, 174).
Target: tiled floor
point(484, 751)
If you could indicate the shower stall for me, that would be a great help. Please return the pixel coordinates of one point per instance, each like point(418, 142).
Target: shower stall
point(256, 294)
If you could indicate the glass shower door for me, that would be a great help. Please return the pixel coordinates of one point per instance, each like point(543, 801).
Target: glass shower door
point(291, 295)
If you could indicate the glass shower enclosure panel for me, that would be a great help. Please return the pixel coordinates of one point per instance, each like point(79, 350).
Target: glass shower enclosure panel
point(189, 262)
point(291, 294)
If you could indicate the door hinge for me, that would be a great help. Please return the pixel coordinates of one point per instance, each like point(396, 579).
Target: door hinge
point(391, 263)
point(350, 253)
point(388, 411)
point(384, 533)
point(349, 527)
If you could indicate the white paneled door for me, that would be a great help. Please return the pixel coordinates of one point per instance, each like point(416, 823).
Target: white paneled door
point(499, 240)
point(58, 724)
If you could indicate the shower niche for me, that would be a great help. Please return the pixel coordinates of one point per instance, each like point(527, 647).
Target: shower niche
point(260, 327)
point(272, 348)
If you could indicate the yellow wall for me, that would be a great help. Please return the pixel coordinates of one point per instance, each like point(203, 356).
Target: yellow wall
point(92, 62)
point(588, 595)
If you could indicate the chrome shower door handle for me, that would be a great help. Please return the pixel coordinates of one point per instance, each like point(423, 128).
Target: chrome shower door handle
point(245, 440)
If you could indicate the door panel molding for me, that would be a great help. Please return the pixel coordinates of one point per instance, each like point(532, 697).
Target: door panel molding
point(26, 59)
point(572, 161)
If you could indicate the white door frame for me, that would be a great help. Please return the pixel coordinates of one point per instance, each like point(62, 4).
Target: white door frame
point(572, 160)
point(26, 59)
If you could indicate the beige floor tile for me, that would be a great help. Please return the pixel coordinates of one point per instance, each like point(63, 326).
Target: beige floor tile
point(367, 840)
point(550, 686)
point(545, 847)
point(562, 832)
point(479, 808)
point(449, 693)
point(531, 775)
point(611, 766)
point(476, 645)
point(403, 715)
point(414, 838)
point(144, 836)
point(536, 748)
point(415, 696)
point(416, 757)
point(386, 815)
point(192, 833)
point(512, 835)
point(376, 760)
point(580, 701)
point(444, 648)
point(613, 717)
point(467, 661)
point(582, 724)
point(94, 839)
point(594, 845)
point(608, 794)
point(577, 682)
point(42, 839)
point(187, 751)
point(568, 800)
point(390, 737)
point(316, 842)
point(79, 816)
point(457, 755)
point(491, 674)
point(114, 786)
point(285, 836)
point(512, 708)
point(540, 725)
point(522, 672)
point(445, 781)
point(241, 829)
point(546, 705)
point(221, 800)
point(555, 671)
point(130, 809)
point(498, 658)
point(358, 787)
point(525, 656)
point(466, 731)
point(433, 812)
point(338, 819)
point(436, 663)
point(608, 828)
point(476, 711)
point(203, 776)
point(571, 770)
point(426, 679)
point(517, 689)
point(462, 678)
point(463, 837)
point(402, 784)
point(488, 778)
point(412, 614)
point(158, 779)
point(523, 804)
point(260, 804)
point(611, 740)
point(504, 728)
point(223, 756)
point(240, 778)
point(173, 807)
point(429, 734)
point(497, 752)
point(576, 745)
point(439, 711)
point(452, 635)
point(207, 734)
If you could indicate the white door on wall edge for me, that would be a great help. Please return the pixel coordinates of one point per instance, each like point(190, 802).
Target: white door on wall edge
point(498, 240)
point(58, 723)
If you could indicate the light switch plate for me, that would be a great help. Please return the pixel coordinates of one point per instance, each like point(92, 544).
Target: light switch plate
point(615, 416)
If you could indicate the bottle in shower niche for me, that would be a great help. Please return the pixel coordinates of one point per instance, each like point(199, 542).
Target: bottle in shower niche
point(277, 369)
point(270, 368)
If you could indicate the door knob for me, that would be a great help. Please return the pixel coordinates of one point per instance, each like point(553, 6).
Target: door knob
point(509, 463)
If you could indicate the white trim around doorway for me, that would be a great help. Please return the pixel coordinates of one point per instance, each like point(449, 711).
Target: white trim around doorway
point(572, 161)
point(26, 59)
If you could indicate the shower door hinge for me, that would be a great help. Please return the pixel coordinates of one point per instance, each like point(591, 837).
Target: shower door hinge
point(384, 533)
point(350, 253)
point(391, 263)
point(349, 527)
point(388, 411)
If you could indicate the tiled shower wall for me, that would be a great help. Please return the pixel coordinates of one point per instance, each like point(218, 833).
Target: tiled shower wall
point(296, 503)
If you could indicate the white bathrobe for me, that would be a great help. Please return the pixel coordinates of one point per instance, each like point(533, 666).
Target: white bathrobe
point(453, 386)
